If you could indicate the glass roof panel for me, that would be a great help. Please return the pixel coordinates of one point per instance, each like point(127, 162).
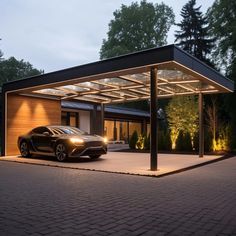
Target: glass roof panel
point(145, 78)
point(74, 88)
point(92, 85)
point(131, 87)
point(116, 82)
point(174, 75)
point(49, 91)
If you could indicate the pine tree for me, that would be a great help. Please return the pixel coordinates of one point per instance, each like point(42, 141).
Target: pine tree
point(193, 34)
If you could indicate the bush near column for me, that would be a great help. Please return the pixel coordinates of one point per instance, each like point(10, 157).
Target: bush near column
point(133, 140)
point(183, 142)
point(147, 142)
point(140, 142)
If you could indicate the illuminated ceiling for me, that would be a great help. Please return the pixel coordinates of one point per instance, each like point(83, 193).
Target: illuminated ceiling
point(126, 78)
point(130, 87)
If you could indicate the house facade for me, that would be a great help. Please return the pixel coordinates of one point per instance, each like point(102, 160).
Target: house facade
point(119, 122)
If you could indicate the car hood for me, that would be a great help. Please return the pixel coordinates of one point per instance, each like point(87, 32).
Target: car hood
point(84, 137)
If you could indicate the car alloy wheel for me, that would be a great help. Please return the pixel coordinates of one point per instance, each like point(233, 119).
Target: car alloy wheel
point(60, 152)
point(24, 150)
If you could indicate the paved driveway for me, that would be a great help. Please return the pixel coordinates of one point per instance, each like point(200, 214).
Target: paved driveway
point(42, 200)
point(123, 162)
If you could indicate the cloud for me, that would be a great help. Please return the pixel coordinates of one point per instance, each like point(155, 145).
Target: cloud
point(54, 34)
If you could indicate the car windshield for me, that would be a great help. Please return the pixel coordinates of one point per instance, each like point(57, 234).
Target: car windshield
point(67, 130)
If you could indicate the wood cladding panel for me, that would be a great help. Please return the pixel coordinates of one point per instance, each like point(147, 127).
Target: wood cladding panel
point(25, 113)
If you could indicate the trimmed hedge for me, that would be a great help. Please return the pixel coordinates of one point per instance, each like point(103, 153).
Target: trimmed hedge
point(133, 140)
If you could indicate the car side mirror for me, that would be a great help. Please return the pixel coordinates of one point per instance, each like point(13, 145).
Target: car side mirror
point(46, 133)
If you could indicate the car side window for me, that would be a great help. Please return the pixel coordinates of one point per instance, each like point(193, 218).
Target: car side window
point(41, 130)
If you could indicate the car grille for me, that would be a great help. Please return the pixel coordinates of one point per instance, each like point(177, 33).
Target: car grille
point(94, 143)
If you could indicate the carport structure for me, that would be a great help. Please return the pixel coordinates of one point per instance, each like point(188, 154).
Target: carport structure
point(156, 73)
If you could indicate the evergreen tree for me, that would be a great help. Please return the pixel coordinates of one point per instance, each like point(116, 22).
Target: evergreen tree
point(193, 34)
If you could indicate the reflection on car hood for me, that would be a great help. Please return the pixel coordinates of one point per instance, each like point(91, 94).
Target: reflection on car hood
point(84, 137)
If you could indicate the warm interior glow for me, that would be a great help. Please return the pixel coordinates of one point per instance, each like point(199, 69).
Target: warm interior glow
point(130, 87)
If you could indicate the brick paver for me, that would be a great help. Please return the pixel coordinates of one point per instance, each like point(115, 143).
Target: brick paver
point(41, 200)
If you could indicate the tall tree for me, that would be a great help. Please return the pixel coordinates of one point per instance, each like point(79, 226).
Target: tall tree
point(182, 115)
point(222, 20)
point(1, 54)
point(12, 69)
point(193, 35)
point(137, 27)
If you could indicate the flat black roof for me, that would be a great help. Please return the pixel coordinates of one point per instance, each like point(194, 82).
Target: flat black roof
point(180, 73)
point(108, 109)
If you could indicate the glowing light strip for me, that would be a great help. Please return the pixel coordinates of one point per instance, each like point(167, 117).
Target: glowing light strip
point(139, 91)
point(105, 84)
point(186, 88)
point(166, 90)
point(206, 78)
point(66, 90)
point(125, 77)
point(97, 97)
point(68, 97)
point(80, 85)
point(126, 94)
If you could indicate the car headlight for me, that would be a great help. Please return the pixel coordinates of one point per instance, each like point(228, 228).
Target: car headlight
point(105, 140)
point(77, 140)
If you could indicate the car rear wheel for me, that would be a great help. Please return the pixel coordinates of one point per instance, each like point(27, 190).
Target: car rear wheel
point(61, 152)
point(94, 156)
point(24, 149)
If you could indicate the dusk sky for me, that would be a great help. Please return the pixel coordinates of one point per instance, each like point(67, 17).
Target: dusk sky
point(54, 34)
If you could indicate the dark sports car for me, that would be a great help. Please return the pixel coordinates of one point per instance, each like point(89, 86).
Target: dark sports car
point(61, 142)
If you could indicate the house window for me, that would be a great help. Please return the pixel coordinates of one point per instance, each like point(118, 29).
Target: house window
point(109, 129)
point(70, 118)
point(122, 130)
point(134, 126)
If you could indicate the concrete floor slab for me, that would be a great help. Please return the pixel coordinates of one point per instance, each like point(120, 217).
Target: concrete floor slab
point(122, 162)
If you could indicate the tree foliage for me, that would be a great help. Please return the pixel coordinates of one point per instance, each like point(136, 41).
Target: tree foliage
point(137, 27)
point(193, 35)
point(222, 21)
point(13, 69)
point(182, 115)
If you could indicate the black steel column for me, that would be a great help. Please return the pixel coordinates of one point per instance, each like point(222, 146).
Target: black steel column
point(94, 119)
point(102, 119)
point(153, 120)
point(201, 126)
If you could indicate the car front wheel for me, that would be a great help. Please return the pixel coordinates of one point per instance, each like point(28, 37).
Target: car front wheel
point(61, 152)
point(24, 149)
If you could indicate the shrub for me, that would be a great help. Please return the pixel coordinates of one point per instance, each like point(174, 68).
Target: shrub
point(167, 142)
point(187, 142)
point(180, 141)
point(147, 142)
point(207, 141)
point(140, 142)
point(161, 140)
point(133, 140)
point(183, 142)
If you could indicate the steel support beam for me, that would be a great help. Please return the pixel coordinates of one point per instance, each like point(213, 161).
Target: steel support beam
point(102, 119)
point(153, 120)
point(201, 125)
point(94, 119)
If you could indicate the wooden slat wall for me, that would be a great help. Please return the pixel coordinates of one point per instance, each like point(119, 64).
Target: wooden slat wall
point(25, 113)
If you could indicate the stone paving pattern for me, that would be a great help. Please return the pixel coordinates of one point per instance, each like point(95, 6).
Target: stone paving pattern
point(41, 200)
